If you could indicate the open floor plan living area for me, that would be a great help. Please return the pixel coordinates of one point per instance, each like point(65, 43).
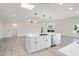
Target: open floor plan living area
point(39, 29)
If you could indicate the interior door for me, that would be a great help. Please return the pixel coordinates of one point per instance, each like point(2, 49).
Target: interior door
point(14, 32)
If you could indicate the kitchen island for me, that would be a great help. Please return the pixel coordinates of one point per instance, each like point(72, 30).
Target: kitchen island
point(36, 42)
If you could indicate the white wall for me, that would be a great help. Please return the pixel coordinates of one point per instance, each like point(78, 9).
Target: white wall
point(65, 26)
point(6, 29)
point(22, 28)
point(1, 29)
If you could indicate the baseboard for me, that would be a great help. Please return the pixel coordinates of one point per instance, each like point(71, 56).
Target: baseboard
point(0, 38)
point(11, 37)
point(73, 35)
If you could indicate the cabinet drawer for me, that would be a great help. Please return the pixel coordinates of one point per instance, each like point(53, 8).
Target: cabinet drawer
point(56, 41)
point(56, 37)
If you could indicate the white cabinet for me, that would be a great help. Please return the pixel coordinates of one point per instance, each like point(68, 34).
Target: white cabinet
point(56, 39)
point(38, 43)
point(35, 44)
point(45, 41)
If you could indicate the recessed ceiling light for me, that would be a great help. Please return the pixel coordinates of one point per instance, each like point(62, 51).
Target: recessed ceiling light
point(50, 23)
point(76, 12)
point(27, 5)
point(25, 16)
point(60, 3)
point(13, 15)
point(43, 22)
point(14, 25)
point(34, 21)
point(70, 8)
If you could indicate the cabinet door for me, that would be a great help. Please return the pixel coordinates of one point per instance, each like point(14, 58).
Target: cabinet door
point(47, 41)
point(34, 44)
point(42, 42)
point(53, 39)
point(57, 39)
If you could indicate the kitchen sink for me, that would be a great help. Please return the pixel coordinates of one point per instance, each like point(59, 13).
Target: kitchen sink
point(43, 34)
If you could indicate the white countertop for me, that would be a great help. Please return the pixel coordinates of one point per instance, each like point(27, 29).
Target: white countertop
point(37, 34)
point(32, 34)
point(71, 50)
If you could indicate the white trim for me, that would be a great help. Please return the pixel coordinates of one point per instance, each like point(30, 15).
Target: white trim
point(71, 35)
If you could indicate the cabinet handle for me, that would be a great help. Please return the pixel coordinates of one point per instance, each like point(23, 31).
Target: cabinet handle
point(36, 42)
point(35, 39)
point(46, 40)
point(43, 37)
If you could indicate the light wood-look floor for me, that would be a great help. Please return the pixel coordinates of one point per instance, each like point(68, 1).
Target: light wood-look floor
point(17, 47)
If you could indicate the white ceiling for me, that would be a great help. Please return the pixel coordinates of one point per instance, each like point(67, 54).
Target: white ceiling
point(13, 11)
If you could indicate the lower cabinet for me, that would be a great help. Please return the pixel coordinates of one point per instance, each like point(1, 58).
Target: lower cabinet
point(57, 39)
point(35, 44)
point(45, 42)
point(38, 43)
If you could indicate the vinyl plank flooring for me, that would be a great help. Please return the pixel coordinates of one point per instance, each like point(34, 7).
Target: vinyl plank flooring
point(16, 46)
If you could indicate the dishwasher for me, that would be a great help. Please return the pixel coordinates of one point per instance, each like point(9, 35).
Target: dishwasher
point(52, 41)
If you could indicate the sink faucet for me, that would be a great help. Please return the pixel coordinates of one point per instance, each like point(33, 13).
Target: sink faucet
point(42, 30)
